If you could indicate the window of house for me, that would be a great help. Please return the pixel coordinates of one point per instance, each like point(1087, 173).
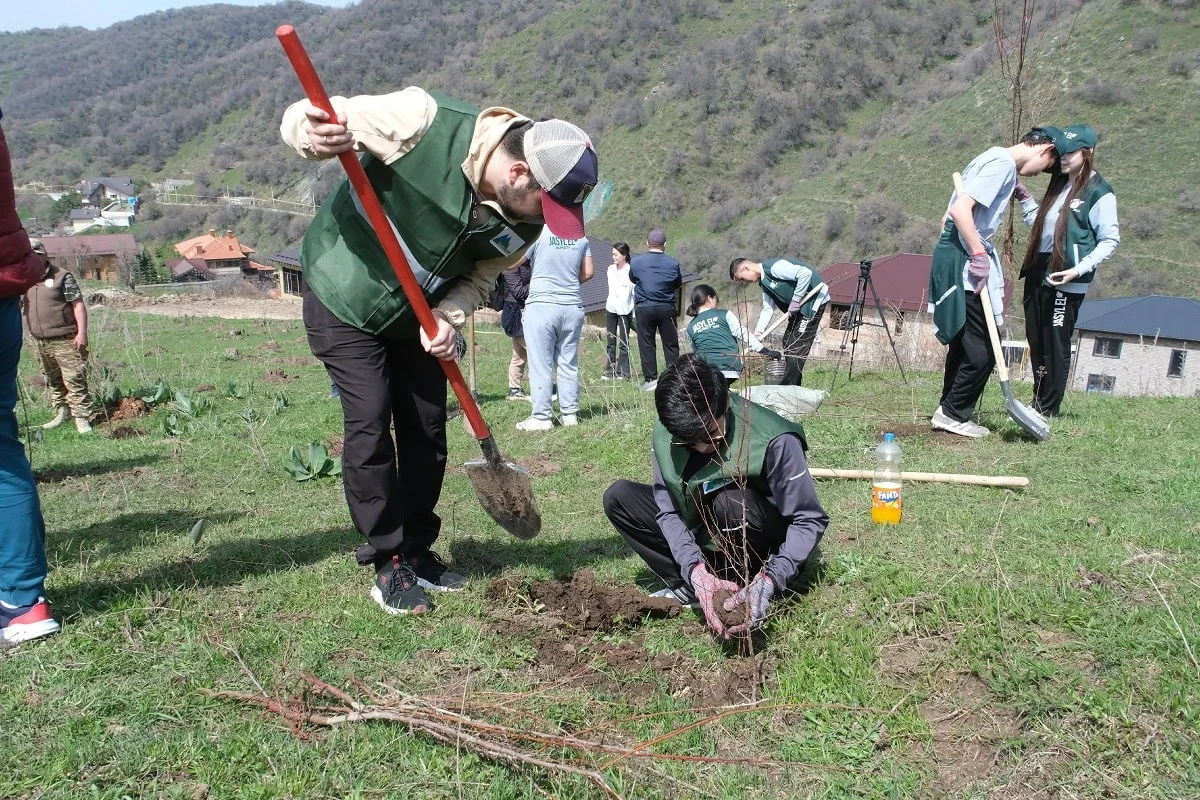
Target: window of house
point(1106, 347)
point(1175, 366)
point(1103, 384)
point(839, 317)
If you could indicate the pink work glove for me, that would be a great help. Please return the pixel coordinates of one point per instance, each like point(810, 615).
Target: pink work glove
point(978, 267)
point(757, 596)
point(706, 585)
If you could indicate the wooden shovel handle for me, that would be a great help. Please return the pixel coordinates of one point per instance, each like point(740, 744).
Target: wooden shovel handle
point(315, 91)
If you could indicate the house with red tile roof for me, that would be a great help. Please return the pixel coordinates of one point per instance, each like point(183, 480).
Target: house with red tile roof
point(224, 256)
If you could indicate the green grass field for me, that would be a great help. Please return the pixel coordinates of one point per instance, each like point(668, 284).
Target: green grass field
point(1018, 644)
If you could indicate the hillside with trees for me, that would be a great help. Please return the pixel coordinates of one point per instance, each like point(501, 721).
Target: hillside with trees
point(821, 128)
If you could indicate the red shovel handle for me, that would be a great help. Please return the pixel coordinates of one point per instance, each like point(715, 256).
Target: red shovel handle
point(379, 221)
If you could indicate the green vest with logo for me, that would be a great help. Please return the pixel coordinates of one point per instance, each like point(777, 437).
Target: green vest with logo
point(714, 341)
point(1080, 239)
point(433, 210)
point(750, 429)
point(781, 291)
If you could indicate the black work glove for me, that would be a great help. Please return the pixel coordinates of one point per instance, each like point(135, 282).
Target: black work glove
point(774, 355)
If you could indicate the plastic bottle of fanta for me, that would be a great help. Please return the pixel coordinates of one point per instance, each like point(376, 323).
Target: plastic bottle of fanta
point(886, 506)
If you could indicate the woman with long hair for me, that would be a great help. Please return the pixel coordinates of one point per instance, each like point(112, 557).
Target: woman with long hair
point(716, 335)
point(1074, 231)
point(618, 314)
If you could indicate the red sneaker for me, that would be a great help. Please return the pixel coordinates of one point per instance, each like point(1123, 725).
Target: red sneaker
point(23, 623)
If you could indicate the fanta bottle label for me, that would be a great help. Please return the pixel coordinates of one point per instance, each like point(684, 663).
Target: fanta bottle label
point(886, 506)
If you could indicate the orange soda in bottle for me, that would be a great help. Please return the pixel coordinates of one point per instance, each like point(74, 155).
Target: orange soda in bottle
point(886, 506)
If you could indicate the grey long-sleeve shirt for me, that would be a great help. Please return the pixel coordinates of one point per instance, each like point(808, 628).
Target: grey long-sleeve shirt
point(792, 492)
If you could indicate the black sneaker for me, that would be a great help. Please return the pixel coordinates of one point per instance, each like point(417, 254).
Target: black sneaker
point(433, 574)
point(397, 590)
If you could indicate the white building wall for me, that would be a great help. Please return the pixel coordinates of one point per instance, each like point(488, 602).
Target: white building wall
point(1142, 366)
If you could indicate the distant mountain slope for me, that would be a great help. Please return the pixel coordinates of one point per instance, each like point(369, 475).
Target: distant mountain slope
point(823, 128)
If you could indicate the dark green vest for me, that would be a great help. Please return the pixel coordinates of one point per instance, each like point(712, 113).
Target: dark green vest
point(781, 291)
point(714, 341)
point(750, 429)
point(1080, 239)
point(946, 286)
point(432, 207)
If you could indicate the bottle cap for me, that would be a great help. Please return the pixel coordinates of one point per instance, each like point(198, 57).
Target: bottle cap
point(889, 437)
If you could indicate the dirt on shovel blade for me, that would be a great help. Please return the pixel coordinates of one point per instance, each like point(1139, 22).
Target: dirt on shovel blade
point(506, 493)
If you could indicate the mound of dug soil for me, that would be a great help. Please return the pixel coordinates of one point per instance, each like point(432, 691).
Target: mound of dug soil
point(584, 604)
point(128, 408)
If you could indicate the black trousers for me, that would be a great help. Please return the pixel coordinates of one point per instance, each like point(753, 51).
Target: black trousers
point(1050, 316)
point(746, 528)
point(969, 363)
point(798, 338)
point(618, 343)
point(386, 382)
point(660, 318)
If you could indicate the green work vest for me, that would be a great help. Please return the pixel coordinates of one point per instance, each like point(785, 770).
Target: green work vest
point(714, 341)
point(945, 284)
point(1080, 239)
point(750, 429)
point(433, 210)
point(781, 291)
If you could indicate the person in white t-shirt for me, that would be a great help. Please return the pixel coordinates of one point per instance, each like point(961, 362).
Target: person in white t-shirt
point(618, 314)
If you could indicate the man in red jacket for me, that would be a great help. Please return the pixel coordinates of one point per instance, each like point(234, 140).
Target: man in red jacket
point(24, 612)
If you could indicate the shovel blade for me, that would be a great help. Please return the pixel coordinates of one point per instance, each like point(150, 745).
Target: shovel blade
point(505, 491)
point(1033, 423)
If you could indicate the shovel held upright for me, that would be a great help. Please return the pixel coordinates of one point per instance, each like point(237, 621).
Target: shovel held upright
point(503, 488)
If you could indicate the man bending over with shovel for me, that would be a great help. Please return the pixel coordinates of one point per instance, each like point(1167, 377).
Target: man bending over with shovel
point(732, 509)
point(797, 291)
point(467, 191)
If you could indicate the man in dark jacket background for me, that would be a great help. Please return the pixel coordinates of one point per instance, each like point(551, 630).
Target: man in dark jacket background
point(656, 278)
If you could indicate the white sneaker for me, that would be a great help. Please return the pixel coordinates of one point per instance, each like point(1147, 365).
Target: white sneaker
point(535, 424)
point(650, 386)
point(570, 419)
point(683, 595)
point(939, 421)
point(62, 416)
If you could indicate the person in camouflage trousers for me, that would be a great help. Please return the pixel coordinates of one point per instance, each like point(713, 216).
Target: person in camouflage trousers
point(57, 319)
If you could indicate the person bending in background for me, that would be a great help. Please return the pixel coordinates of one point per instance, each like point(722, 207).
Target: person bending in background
point(656, 277)
point(24, 612)
point(618, 314)
point(716, 336)
point(964, 260)
point(796, 290)
point(1074, 230)
point(732, 506)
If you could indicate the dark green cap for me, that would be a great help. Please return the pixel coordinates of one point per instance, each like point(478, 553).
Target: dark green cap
point(1075, 137)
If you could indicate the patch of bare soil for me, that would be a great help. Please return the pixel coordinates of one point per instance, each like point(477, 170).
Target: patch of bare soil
point(37, 382)
point(298, 361)
point(54, 475)
point(271, 346)
point(539, 466)
point(910, 656)
point(157, 350)
point(277, 376)
point(968, 730)
point(128, 408)
point(205, 387)
point(222, 307)
point(563, 621)
point(335, 444)
point(124, 432)
point(918, 430)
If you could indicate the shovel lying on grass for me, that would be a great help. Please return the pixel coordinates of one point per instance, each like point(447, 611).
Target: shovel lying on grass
point(504, 489)
point(1033, 423)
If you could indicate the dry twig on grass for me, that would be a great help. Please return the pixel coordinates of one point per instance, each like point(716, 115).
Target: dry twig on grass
point(467, 729)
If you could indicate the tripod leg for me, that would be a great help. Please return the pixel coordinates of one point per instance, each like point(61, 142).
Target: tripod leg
point(886, 329)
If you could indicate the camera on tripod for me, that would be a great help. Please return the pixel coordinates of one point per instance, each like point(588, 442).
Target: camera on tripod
point(864, 268)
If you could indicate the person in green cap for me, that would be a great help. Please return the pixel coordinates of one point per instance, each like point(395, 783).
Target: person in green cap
point(1060, 263)
point(964, 260)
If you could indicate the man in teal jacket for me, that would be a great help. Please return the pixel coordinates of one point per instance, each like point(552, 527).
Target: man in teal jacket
point(467, 192)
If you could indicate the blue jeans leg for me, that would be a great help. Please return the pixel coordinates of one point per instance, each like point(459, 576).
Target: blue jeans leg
point(22, 530)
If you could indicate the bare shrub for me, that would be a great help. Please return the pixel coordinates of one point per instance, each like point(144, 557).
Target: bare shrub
point(1181, 64)
point(1142, 223)
point(702, 255)
point(1101, 93)
point(1189, 200)
point(1144, 41)
point(835, 223)
point(668, 202)
point(727, 213)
